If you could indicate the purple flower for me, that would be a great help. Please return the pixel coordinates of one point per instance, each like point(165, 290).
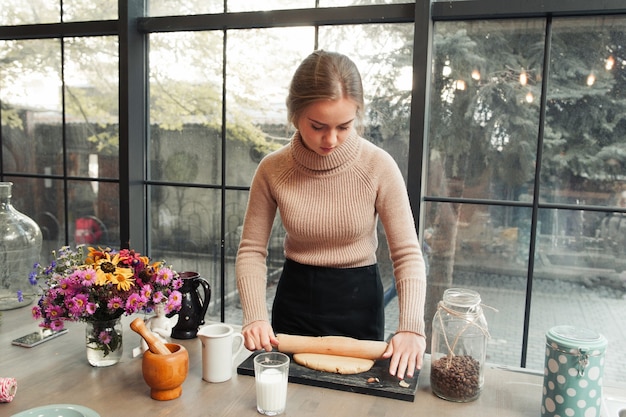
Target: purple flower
point(104, 337)
point(20, 296)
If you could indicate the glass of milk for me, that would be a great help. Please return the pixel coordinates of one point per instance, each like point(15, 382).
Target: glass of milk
point(271, 371)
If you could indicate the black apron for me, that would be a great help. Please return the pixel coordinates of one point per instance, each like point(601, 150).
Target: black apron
point(322, 301)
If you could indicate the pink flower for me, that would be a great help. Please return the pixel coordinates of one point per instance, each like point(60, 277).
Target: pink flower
point(36, 312)
point(175, 299)
point(170, 306)
point(66, 284)
point(115, 303)
point(178, 282)
point(164, 276)
point(146, 291)
point(133, 303)
point(77, 304)
point(89, 277)
point(56, 324)
point(54, 312)
point(104, 337)
point(158, 297)
point(91, 308)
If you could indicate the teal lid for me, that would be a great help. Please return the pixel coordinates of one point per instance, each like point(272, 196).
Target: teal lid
point(570, 337)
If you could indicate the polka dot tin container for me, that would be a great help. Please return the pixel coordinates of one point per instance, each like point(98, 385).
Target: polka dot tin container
point(572, 384)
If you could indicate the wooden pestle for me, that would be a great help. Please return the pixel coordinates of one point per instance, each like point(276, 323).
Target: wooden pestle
point(154, 343)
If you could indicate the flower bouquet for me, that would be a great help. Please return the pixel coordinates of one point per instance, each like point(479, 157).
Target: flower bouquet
point(100, 286)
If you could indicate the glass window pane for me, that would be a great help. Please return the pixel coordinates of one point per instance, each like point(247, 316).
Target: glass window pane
point(581, 252)
point(255, 5)
point(108, 210)
point(42, 201)
point(256, 89)
point(584, 158)
point(484, 248)
point(20, 12)
point(184, 219)
point(184, 7)
point(236, 202)
point(185, 231)
point(186, 107)
point(386, 70)
point(30, 93)
point(94, 213)
point(83, 10)
point(579, 280)
point(484, 108)
point(92, 106)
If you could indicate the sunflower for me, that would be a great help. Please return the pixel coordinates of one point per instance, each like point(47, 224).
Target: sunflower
point(108, 271)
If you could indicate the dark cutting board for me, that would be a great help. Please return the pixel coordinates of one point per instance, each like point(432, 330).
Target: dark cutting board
point(388, 386)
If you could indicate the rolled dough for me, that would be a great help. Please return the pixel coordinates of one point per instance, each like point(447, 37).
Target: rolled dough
point(343, 365)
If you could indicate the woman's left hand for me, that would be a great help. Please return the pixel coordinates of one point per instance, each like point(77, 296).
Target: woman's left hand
point(406, 350)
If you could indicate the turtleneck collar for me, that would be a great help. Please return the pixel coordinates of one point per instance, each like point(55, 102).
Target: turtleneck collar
point(341, 158)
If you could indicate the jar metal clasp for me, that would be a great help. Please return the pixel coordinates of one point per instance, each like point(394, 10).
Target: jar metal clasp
point(583, 361)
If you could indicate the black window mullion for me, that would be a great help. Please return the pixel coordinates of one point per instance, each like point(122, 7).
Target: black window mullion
point(536, 206)
point(133, 121)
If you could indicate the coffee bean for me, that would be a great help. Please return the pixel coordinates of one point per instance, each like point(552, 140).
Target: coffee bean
point(456, 378)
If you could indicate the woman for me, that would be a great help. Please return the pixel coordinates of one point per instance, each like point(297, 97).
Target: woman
point(330, 186)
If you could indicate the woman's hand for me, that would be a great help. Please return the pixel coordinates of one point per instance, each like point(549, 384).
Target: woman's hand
point(406, 350)
point(259, 335)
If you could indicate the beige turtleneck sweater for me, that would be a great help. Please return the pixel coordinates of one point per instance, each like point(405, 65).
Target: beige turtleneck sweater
point(329, 206)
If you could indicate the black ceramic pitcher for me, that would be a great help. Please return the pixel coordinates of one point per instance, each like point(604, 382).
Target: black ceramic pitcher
point(194, 305)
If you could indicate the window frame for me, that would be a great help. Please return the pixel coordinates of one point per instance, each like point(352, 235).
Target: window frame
point(133, 28)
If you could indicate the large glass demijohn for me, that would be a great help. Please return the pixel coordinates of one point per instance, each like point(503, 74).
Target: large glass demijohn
point(20, 247)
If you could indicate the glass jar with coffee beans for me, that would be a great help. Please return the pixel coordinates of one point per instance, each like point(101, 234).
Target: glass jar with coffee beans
point(459, 345)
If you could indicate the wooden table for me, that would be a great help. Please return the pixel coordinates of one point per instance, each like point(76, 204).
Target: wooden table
point(57, 372)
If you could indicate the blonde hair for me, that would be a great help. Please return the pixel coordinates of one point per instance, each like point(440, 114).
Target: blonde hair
point(325, 76)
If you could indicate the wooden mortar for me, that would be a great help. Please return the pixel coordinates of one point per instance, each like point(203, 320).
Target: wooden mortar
point(165, 374)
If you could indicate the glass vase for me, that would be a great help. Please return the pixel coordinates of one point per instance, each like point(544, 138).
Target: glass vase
point(20, 247)
point(104, 342)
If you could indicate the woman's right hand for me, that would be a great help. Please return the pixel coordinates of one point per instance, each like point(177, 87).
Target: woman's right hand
point(259, 335)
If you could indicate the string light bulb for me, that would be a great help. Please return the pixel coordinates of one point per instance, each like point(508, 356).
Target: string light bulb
point(610, 63)
point(523, 78)
point(447, 70)
point(529, 97)
point(591, 79)
point(476, 75)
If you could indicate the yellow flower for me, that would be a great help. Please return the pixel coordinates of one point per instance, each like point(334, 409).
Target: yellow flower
point(107, 272)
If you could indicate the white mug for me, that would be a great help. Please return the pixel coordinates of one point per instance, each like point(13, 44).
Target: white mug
point(220, 346)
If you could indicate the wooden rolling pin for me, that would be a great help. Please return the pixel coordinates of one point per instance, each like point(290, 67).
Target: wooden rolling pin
point(154, 343)
point(331, 345)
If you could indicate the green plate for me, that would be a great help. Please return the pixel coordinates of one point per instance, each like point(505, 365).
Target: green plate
point(58, 410)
